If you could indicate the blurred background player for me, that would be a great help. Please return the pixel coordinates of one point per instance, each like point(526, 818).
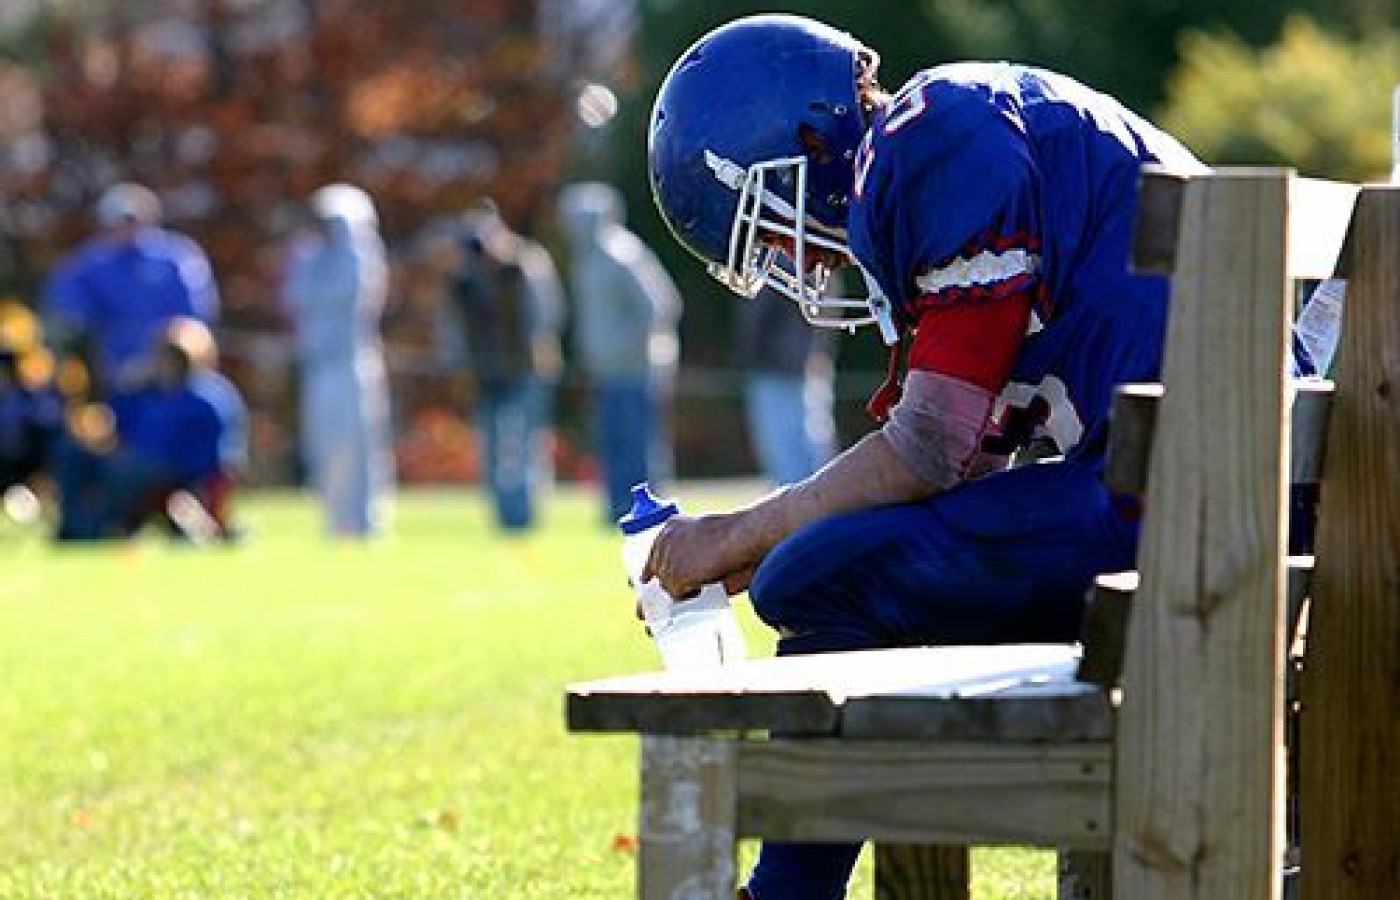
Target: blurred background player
point(31, 412)
point(626, 315)
point(787, 369)
point(123, 461)
point(31, 419)
point(506, 311)
point(109, 300)
point(335, 287)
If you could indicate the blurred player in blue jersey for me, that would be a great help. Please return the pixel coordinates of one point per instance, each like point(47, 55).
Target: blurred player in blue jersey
point(110, 300)
point(988, 207)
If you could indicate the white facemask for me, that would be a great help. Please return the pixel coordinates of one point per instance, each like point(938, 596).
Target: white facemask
point(753, 264)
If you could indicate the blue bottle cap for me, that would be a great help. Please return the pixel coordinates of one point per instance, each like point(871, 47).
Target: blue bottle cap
point(647, 510)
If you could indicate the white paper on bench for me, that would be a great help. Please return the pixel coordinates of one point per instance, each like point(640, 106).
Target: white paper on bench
point(966, 671)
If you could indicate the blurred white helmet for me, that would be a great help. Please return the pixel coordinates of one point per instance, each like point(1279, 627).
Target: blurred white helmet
point(345, 201)
point(126, 203)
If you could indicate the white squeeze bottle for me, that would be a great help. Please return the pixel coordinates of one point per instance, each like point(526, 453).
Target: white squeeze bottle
point(694, 633)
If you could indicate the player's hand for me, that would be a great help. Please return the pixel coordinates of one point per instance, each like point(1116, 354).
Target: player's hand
point(691, 552)
point(734, 583)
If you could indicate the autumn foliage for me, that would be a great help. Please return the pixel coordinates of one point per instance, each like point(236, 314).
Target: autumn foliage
point(235, 110)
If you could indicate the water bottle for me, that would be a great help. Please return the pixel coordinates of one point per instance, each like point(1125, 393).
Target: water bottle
point(692, 633)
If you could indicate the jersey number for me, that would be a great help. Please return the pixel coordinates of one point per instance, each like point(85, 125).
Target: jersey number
point(906, 106)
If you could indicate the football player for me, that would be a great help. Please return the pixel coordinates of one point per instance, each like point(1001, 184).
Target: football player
point(988, 207)
point(109, 300)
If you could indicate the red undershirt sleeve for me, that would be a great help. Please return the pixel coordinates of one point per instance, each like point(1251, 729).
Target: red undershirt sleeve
point(974, 341)
point(960, 360)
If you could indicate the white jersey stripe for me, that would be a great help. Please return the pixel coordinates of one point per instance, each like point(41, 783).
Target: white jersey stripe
point(985, 268)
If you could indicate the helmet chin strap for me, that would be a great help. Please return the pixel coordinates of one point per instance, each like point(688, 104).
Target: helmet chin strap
point(880, 308)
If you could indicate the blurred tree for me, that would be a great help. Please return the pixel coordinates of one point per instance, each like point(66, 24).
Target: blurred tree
point(1120, 47)
point(233, 111)
point(1314, 101)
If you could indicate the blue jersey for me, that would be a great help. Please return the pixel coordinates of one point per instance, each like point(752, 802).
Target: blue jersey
point(122, 295)
point(981, 180)
point(179, 428)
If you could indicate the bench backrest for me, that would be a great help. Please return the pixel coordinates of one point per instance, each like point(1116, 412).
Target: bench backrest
point(1202, 706)
point(1199, 800)
point(1351, 680)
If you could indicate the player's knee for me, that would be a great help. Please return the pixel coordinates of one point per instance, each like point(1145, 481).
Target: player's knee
point(787, 591)
point(767, 595)
point(812, 611)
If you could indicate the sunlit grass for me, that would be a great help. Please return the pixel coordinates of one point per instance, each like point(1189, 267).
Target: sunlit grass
point(295, 718)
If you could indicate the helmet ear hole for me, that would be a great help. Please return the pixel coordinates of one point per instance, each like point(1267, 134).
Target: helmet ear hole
point(816, 145)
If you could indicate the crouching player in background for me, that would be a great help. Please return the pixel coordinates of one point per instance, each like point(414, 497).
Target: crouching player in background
point(169, 448)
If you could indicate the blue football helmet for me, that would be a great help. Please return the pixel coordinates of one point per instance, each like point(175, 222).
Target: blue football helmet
point(752, 146)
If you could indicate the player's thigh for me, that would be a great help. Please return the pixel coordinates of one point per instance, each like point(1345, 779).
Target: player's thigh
point(1006, 557)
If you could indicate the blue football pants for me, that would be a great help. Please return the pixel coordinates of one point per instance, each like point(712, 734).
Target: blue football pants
point(1007, 558)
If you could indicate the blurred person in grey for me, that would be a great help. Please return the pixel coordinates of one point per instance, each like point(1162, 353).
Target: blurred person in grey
point(788, 372)
point(626, 313)
point(335, 287)
point(109, 301)
point(504, 317)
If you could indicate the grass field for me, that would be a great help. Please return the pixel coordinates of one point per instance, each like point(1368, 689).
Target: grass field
point(292, 718)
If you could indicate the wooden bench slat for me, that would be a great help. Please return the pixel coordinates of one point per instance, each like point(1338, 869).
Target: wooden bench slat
point(1203, 674)
point(1059, 710)
point(1105, 628)
point(872, 693)
point(1158, 220)
point(1350, 782)
point(963, 793)
point(1311, 404)
point(1134, 420)
point(1321, 212)
point(1110, 602)
point(662, 713)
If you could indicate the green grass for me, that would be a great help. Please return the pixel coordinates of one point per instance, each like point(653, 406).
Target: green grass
point(295, 718)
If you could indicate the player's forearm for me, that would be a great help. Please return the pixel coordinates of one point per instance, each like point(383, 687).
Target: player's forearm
point(868, 474)
point(929, 444)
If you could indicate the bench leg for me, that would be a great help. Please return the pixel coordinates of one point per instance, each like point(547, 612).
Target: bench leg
point(1085, 875)
point(921, 872)
point(689, 807)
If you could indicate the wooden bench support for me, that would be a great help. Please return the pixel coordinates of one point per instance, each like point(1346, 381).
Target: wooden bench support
point(1007, 719)
point(699, 794)
point(687, 829)
point(1199, 807)
point(1350, 687)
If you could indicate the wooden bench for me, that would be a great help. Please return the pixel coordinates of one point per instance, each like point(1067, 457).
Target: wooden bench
point(929, 750)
